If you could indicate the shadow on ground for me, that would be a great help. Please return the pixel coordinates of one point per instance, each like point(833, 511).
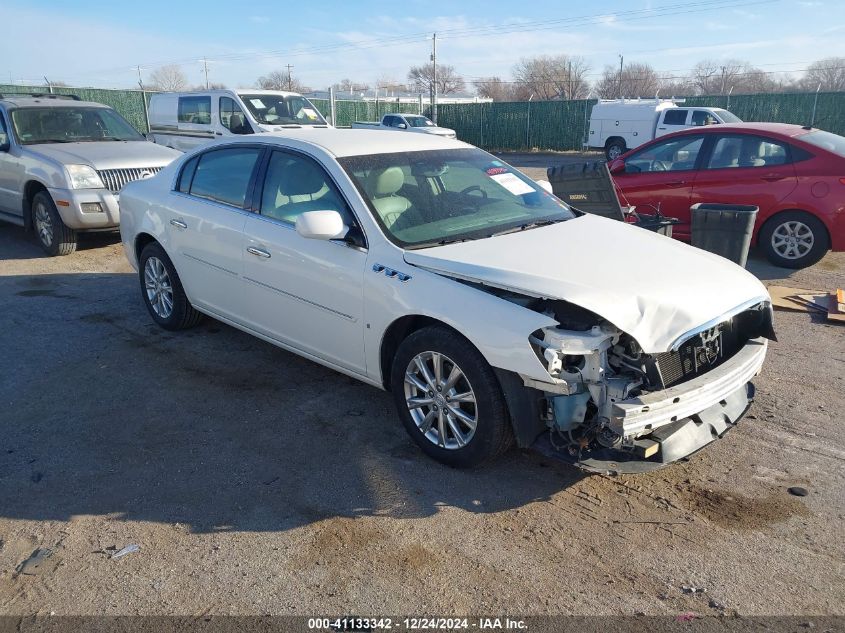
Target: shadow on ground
point(106, 414)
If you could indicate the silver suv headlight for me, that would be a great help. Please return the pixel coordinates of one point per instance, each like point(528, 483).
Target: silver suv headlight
point(84, 177)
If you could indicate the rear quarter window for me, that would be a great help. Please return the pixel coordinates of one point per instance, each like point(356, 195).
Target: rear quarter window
point(195, 110)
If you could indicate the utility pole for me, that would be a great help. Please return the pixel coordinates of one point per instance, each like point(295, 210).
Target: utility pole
point(434, 78)
point(621, 61)
point(205, 66)
point(570, 96)
point(722, 91)
point(140, 82)
point(290, 81)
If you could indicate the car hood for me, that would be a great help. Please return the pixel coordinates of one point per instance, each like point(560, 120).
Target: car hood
point(652, 287)
point(439, 131)
point(107, 154)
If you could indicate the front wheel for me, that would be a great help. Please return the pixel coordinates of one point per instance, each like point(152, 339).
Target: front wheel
point(55, 237)
point(449, 399)
point(162, 290)
point(794, 239)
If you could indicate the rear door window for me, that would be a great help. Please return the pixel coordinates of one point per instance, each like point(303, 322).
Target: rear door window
point(745, 150)
point(224, 175)
point(675, 116)
point(195, 110)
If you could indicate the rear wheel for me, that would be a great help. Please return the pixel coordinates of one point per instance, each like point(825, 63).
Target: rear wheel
point(449, 399)
point(54, 235)
point(614, 149)
point(794, 239)
point(162, 290)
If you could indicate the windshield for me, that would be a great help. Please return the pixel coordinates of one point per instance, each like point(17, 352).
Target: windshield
point(71, 125)
point(281, 110)
point(831, 142)
point(419, 121)
point(435, 197)
point(727, 117)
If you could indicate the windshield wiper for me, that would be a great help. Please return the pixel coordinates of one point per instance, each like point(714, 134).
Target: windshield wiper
point(51, 140)
point(527, 226)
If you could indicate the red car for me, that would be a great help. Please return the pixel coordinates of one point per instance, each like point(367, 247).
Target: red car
point(794, 174)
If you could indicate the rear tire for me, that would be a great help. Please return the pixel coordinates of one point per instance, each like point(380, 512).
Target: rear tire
point(456, 414)
point(53, 234)
point(794, 239)
point(614, 149)
point(162, 290)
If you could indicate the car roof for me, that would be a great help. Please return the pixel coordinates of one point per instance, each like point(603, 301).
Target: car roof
point(40, 102)
point(782, 129)
point(357, 142)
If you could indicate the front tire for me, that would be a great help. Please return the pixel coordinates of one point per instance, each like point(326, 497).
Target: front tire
point(162, 290)
point(794, 239)
point(449, 399)
point(53, 235)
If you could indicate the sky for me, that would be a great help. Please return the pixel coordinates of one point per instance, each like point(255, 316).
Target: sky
point(99, 43)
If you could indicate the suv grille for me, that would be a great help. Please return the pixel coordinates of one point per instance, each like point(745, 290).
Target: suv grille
point(114, 179)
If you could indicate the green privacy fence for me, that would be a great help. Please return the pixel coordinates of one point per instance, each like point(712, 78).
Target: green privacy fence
point(561, 125)
point(545, 125)
point(130, 103)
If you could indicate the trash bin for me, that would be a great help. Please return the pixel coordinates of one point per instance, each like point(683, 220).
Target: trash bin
point(724, 229)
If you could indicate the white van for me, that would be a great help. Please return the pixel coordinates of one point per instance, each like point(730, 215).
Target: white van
point(184, 120)
point(617, 125)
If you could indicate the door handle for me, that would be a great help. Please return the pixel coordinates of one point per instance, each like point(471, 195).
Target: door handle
point(676, 183)
point(218, 133)
point(179, 224)
point(258, 252)
point(772, 177)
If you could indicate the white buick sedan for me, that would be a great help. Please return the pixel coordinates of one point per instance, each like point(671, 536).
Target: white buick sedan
point(493, 312)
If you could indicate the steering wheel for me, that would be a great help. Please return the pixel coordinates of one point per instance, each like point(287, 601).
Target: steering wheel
point(472, 188)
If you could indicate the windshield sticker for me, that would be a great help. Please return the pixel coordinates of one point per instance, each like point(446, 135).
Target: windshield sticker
point(513, 184)
point(258, 103)
point(311, 114)
point(492, 171)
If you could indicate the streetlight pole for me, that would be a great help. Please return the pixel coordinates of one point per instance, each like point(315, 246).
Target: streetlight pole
point(434, 78)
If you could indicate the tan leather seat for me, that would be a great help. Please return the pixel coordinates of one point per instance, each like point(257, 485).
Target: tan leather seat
point(383, 185)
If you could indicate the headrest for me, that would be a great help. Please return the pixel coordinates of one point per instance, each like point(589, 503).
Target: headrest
point(300, 178)
point(388, 181)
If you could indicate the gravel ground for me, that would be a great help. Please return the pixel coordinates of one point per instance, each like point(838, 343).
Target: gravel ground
point(256, 482)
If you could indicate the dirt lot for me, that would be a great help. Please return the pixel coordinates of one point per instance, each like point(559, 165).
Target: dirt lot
point(255, 482)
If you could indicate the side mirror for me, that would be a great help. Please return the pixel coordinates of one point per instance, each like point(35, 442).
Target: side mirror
point(616, 167)
point(402, 126)
point(545, 185)
point(4, 142)
point(321, 225)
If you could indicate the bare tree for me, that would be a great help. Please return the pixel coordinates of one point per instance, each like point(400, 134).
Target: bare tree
point(675, 86)
point(168, 79)
point(546, 77)
point(495, 88)
point(829, 72)
point(448, 81)
point(348, 85)
point(281, 80)
point(635, 80)
point(386, 84)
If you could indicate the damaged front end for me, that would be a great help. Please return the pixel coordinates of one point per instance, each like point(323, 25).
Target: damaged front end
point(612, 408)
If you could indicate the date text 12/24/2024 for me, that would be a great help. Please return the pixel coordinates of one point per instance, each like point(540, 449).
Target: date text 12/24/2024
point(415, 624)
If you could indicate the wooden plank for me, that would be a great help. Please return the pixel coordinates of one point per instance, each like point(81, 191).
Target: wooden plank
point(840, 300)
point(820, 301)
point(786, 298)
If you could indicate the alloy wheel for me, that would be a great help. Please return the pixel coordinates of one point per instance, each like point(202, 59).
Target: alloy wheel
point(792, 239)
point(43, 224)
point(158, 287)
point(441, 400)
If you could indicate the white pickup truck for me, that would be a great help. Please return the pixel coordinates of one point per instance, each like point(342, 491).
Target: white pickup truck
point(617, 125)
point(406, 123)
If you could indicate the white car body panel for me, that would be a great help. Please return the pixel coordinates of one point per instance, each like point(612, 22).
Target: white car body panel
point(599, 266)
point(335, 303)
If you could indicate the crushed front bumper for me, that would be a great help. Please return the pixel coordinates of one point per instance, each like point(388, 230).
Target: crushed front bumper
point(681, 420)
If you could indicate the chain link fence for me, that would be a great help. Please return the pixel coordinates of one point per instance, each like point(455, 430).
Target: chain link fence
point(516, 126)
